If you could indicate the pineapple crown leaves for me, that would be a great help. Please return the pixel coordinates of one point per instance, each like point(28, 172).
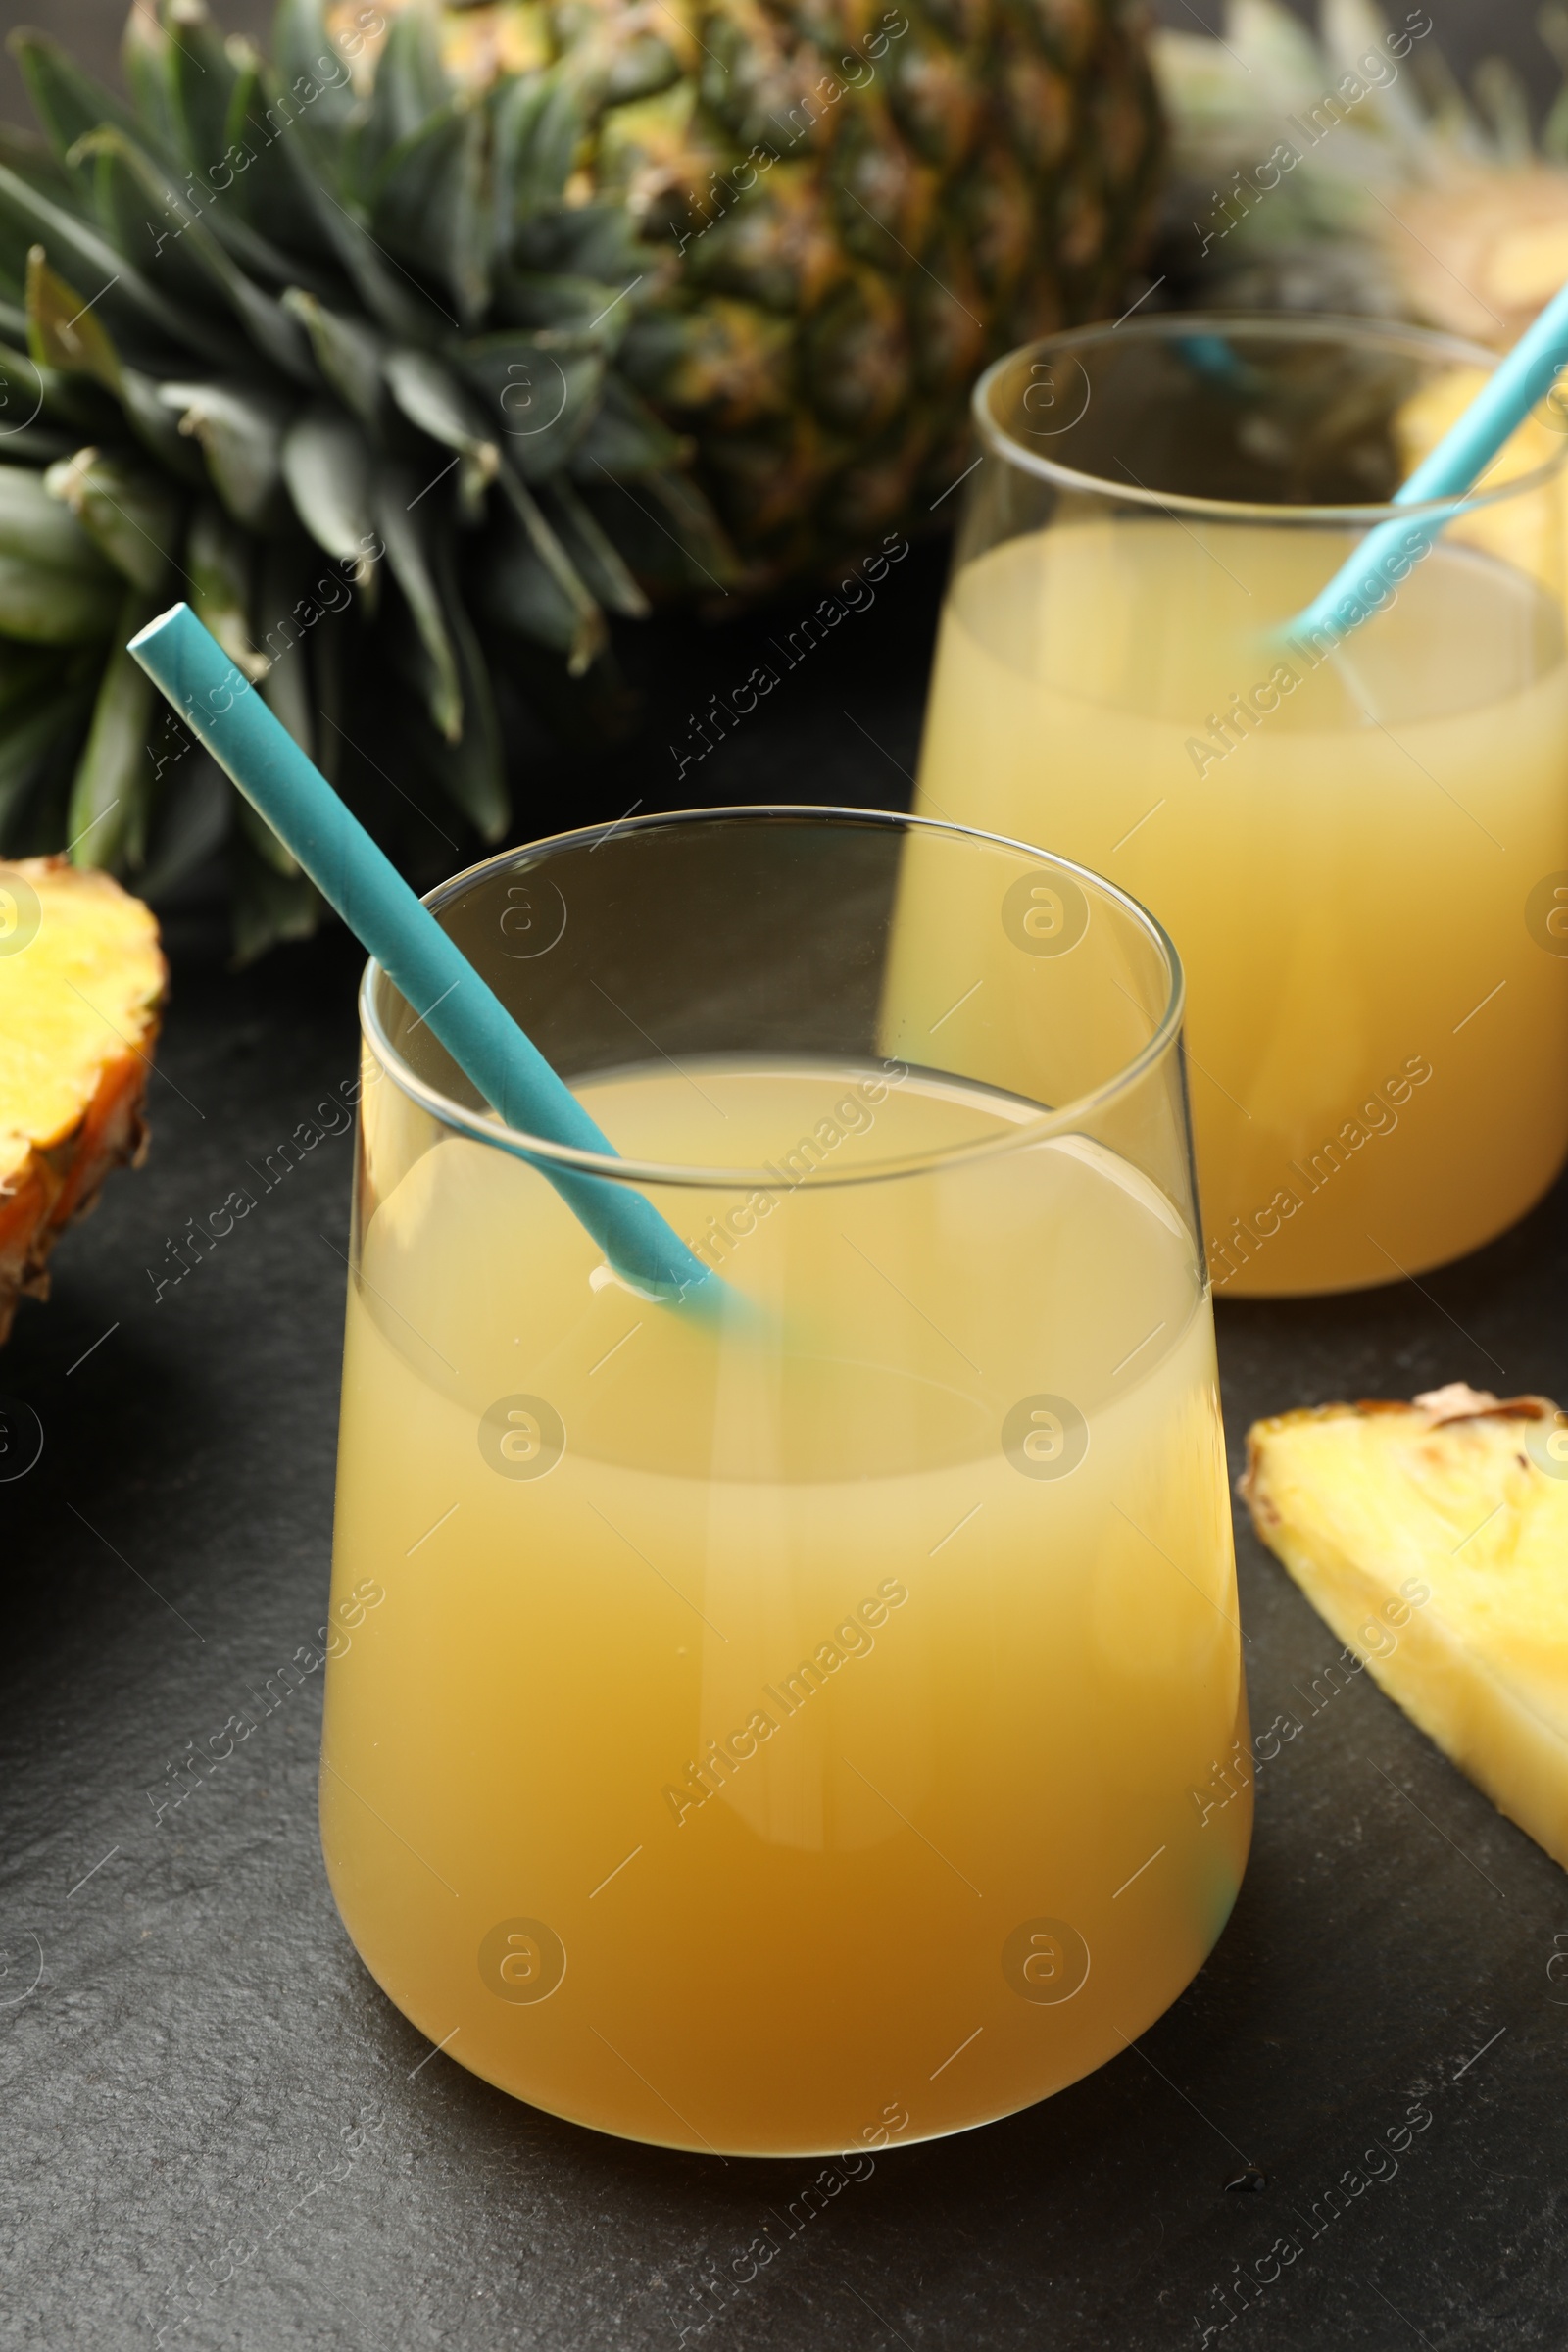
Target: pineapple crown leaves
point(1402, 119)
point(328, 351)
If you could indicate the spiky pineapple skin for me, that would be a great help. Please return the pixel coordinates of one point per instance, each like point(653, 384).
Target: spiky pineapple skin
point(846, 209)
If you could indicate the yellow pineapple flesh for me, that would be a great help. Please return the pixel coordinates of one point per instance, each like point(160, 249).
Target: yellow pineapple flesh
point(82, 984)
point(1447, 1520)
point(1481, 252)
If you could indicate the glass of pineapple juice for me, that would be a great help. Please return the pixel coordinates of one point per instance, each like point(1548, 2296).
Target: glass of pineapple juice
point(813, 1714)
point(1360, 842)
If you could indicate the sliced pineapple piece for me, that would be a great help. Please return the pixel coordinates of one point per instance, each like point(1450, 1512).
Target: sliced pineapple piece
point(82, 984)
point(1433, 1537)
point(1481, 250)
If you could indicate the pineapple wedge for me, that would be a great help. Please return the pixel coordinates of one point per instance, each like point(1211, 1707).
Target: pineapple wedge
point(1464, 1500)
point(81, 985)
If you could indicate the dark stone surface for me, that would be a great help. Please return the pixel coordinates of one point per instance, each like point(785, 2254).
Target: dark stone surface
point(179, 2080)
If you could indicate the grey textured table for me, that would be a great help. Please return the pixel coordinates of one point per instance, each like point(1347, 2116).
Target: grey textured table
point(216, 2132)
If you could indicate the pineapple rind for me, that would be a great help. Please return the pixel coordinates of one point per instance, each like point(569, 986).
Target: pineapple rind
point(1368, 1506)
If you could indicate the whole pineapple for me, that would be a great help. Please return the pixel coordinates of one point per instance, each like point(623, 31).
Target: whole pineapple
point(410, 354)
point(847, 207)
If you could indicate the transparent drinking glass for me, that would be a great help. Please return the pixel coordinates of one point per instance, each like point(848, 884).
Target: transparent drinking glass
point(1359, 841)
point(810, 1715)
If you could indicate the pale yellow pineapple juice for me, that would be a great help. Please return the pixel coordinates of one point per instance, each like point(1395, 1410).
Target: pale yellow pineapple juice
point(823, 1724)
point(1345, 855)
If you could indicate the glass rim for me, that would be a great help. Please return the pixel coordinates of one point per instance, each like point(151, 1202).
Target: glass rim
point(998, 441)
point(486, 1128)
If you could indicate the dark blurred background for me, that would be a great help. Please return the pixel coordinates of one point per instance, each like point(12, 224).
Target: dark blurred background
point(1468, 30)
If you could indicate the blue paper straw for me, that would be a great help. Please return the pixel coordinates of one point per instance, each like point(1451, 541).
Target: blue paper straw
point(1385, 555)
point(221, 708)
